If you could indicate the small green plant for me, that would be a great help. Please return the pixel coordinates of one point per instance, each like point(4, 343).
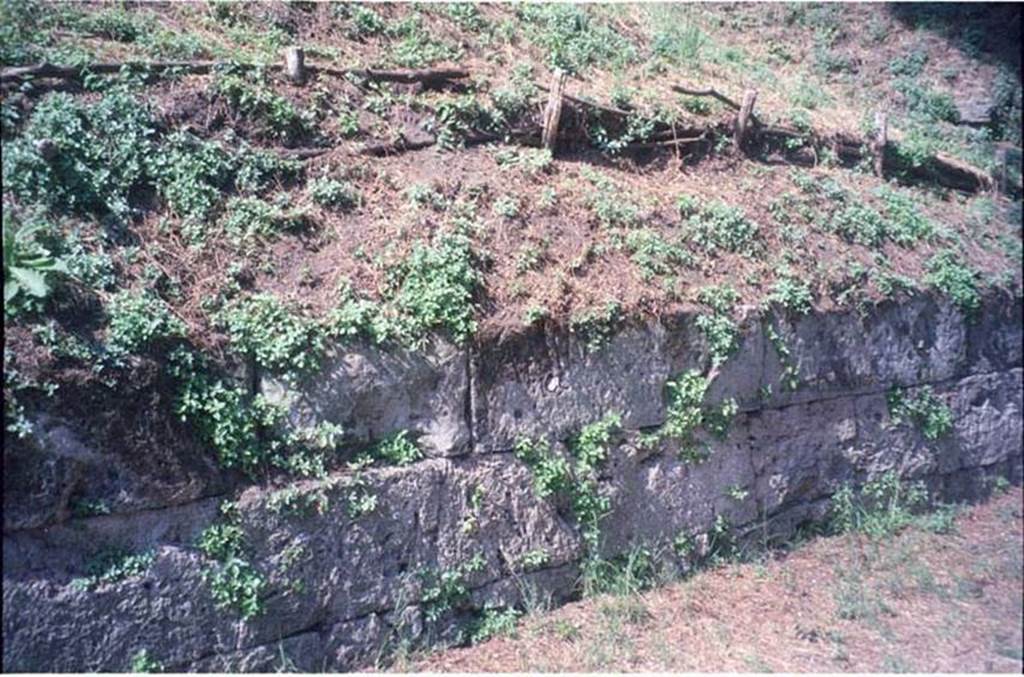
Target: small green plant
point(685, 411)
point(333, 194)
point(143, 662)
point(113, 565)
point(717, 227)
point(626, 575)
point(719, 328)
point(236, 583)
point(250, 218)
point(609, 205)
point(84, 158)
point(683, 545)
point(90, 507)
point(442, 591)
point(534, 559)
point(230, 421)
point(553, 474)
point(790, 369)
point(736, 492)
point(860, 224)
point(791, 292)
point(881, 508)
point(494, 622)
point(506, 207)
point(596, 326)
point(397, 449)
point(416, 47)
point(295, 501)
point(572, 39)
point(233, 581)
point(359, 499)
point(138, 321)
point(929, 413)
point(653, 255)
point(273, 114)
point(949, 274)
point(433, 289)
point(28, 266)
point(262, 328)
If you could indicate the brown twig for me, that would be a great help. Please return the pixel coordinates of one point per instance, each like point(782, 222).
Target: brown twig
point(707, 92)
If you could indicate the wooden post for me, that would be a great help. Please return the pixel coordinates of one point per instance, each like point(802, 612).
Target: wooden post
point(295, 65)
point(743, 119)
point(1000, 174)
point(879, 142)
point(553, 111)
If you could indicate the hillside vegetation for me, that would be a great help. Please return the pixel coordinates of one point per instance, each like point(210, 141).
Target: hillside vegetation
point(178, 224)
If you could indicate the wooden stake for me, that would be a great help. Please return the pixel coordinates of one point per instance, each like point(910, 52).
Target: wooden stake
point(743, 119)
point(295, 64)
point(553, 111)
point(879, 142)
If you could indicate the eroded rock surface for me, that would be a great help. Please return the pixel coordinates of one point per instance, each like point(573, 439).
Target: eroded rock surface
point(343, 588)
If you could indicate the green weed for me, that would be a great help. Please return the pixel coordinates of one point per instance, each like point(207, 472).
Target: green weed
point(111, 566)
point(261, 327)
point(717, 226)
point(929, 413)
point(719, 329)
point(881, 508)
point(950, 275)
point(143, 662)
point(138, 321)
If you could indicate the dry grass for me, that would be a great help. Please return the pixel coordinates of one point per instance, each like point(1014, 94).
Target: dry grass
point(919, 602)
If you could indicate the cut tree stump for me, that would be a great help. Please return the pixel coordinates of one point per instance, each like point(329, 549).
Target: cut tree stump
point(743, 119)
point(553, 111)
point(879, 142)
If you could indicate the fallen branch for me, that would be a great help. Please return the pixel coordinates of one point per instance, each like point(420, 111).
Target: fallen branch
point(586, 103)
point(650, 145)
point(49, 70)
point(302, 153)
point(707, 92)
point(424, 75)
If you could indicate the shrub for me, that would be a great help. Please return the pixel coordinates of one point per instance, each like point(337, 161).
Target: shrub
point(596, 325)
point(139, 320)
point(397, 449)
point(791, 293)
point(881, 508)
point(717, 226)
point(571, 39)
point(929, 413)
point(433, 289)
point(249, 218)
point(261, 327)
point(273, 114)
point(948, 274)
point(333, 194)
point(718, 328)
point(80, 157)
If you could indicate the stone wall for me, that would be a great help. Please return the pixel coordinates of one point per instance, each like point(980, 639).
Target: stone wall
point(343, 589)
